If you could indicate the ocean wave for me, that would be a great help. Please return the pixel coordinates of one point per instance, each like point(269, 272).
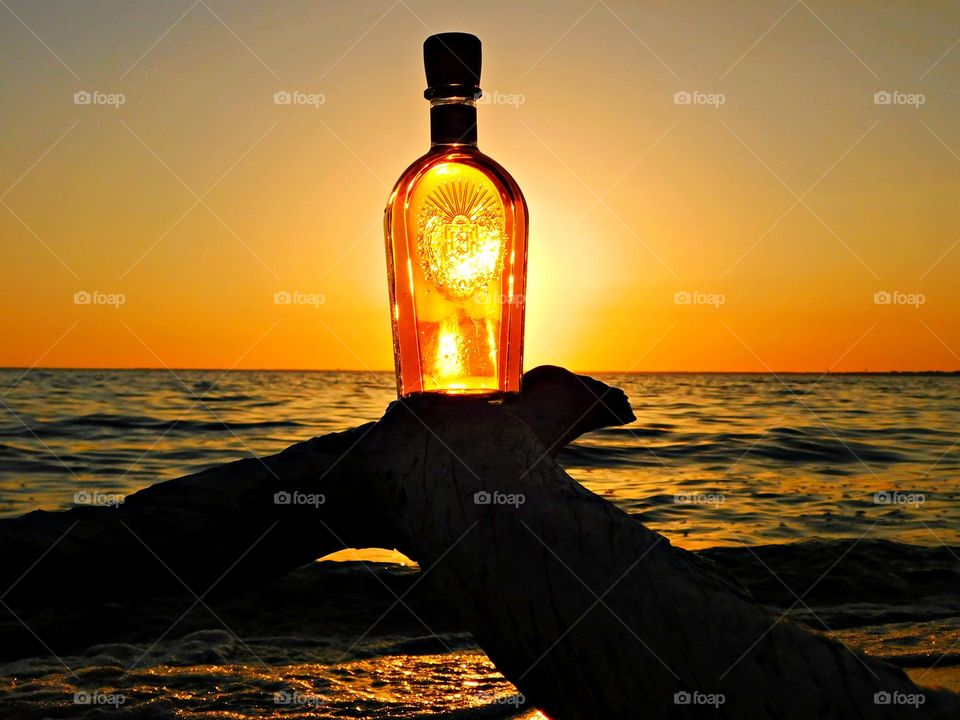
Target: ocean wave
point(80, 426)
point(782, 444)
point(854, 582)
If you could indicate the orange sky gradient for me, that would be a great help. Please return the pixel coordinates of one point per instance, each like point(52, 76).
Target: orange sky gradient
point(796, 200)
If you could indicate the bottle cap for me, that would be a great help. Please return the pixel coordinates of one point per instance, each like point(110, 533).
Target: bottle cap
point(452, 64)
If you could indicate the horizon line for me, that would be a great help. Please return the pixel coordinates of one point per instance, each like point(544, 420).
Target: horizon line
point(391, 370)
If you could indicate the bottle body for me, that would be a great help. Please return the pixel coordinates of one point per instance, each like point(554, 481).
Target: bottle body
point(456, 239)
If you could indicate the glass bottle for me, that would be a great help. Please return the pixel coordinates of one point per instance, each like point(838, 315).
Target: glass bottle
point(456, 237)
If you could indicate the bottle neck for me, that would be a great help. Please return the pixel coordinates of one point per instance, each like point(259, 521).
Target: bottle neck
point(453, 121)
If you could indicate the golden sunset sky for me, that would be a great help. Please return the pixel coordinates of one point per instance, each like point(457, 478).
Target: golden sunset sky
point(783, 189)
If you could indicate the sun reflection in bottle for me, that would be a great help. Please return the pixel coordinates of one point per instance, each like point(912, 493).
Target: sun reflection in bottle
point(449, 362)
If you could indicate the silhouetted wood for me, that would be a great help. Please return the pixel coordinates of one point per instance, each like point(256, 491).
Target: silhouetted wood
point(225, 522)
point(587, 611)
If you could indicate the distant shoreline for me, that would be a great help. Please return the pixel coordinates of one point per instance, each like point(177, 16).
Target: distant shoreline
point(895, 373)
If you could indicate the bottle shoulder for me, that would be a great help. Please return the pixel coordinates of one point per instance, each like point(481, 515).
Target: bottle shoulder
point(472, 157)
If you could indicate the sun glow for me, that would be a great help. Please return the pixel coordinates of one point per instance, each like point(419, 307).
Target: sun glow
point(449, 362)
point(691, 210)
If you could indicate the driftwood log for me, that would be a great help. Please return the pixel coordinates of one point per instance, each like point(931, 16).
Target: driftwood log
point(589, 613)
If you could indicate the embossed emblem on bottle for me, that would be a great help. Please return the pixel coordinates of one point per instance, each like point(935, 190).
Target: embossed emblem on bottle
point(460, 237)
